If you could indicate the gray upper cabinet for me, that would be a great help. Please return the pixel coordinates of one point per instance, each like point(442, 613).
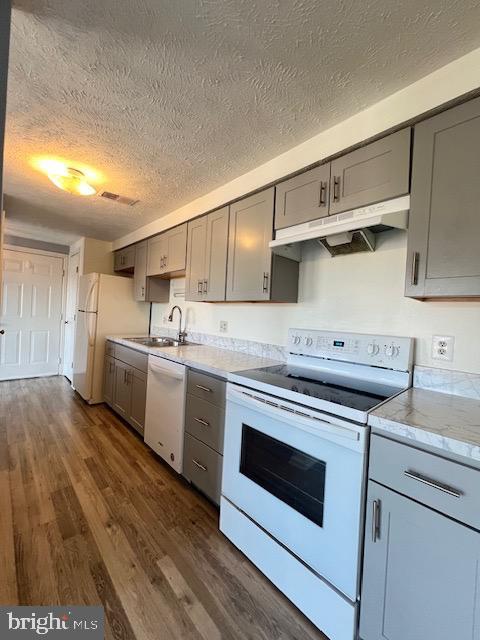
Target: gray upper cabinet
point(196, 255)
point(167, 253)
point(140, 272)
point(302, 198)
point(421, 577)
point(379, 171)
point(124, 260)
point(157, 251)
point(216, 255)
point(207, 257)
point(253, 274)
point(176, 249)
point(147, 289)
point(443, 257)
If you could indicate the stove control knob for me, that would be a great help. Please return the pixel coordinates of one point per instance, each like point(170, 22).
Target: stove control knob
point(391, 351)
point(308, 342)
point(296, 339)
point(372, 349)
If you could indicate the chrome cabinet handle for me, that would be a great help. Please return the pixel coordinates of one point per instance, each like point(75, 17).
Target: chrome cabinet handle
point(165, 261)
point(414, 274)
point(199, 465)
point(266, 276)
point(323, 194)
point(200, 386)
point(143, 291)
point(376, 520)
point(444, 488)
point(205, 286)
point(336, 188)
point(199, 286)
point(204, 423)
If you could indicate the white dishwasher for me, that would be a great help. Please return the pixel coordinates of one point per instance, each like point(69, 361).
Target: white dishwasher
point(165, 410)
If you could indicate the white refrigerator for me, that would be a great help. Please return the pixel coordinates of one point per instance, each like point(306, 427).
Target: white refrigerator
point(106, 306)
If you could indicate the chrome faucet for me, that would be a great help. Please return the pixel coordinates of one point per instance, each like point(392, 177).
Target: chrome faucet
point(181, 334)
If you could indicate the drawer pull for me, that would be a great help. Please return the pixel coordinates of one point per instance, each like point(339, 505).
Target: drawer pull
point(413, 475)
point(204, 423)
point(200, 386)
point(375, 520)
point(199, 465)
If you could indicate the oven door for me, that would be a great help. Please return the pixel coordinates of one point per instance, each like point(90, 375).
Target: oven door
point(299, 475)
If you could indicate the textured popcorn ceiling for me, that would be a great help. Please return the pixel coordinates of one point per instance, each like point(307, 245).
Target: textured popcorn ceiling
point(170, 99)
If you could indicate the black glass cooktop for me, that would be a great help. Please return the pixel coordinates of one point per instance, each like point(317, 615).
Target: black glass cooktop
point(356, 394)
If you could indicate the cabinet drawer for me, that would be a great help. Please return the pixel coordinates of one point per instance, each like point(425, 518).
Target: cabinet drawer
point(110, 348)
point(206, 387)
point(133, 358)
point(205, 421)
point(441, 484)
point(203, 467)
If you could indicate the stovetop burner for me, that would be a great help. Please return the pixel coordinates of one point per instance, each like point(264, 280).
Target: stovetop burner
point(361, 395)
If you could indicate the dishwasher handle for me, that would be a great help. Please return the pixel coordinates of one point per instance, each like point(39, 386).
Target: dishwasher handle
point(165, 371)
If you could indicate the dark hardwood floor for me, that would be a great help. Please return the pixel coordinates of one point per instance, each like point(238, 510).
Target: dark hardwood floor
point(88, 515)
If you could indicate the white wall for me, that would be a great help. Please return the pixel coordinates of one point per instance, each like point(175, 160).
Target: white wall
point(362, 292)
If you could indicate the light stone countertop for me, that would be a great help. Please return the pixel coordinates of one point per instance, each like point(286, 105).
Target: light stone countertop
point(447, 422)
point(219, 362)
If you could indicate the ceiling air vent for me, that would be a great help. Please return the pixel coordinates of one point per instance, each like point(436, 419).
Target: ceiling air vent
point(118, 198)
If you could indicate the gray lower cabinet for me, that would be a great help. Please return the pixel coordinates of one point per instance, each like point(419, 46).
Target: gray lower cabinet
point(204, 430)
point(109, 379)
point(207, 257)
point(125, 384)
point(147, 289)
point(253, 272)
point(124, 260)
point(420, 575)
point(378, 171)
point(303, 198)
point(443, 257)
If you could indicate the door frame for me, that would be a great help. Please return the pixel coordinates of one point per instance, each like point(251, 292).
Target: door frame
point(64, 257)
point(66, 273)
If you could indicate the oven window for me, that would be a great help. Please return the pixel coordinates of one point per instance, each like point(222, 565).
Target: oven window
point(287, 473)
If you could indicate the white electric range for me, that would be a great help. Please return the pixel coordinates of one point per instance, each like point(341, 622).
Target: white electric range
point(294, 465)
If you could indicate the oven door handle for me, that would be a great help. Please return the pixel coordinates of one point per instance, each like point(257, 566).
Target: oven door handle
point(315, 426)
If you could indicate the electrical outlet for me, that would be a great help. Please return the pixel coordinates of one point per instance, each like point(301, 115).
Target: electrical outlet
point(442, 347)
point(223, 326)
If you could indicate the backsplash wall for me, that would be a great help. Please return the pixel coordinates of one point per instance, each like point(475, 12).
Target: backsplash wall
point(361, 293)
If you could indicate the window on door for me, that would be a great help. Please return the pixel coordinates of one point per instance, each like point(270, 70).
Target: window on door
point(287, 473)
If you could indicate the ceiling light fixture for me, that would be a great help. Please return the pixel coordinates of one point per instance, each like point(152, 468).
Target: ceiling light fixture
point(71, 180)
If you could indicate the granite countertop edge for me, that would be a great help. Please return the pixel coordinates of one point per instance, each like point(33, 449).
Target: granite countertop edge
point(201, 356)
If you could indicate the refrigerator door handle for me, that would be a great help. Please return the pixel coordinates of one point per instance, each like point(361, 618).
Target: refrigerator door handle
point(90, 294)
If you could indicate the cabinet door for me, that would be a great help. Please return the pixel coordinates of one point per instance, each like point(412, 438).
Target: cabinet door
point(125, 259)
point(443, 257)
point(302, 198)
point(196, 248)
point(121, 390)
point(140, 273)
point(176, 253)
point(376, 172)
point(216, 256)
point(249, 256)
point(157, 249)
point(420, 576)
point(108, 379)
point(138, 382)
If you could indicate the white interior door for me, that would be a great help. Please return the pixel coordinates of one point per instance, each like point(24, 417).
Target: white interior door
point(70, 314)
point(30, 315)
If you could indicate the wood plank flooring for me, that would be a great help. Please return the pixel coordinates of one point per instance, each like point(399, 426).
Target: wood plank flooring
point(88, 515)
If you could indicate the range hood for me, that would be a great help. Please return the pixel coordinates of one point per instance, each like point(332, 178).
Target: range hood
point(349, 231)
